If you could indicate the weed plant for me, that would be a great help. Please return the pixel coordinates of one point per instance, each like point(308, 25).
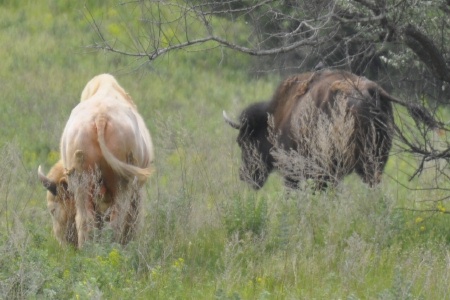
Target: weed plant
point(205, 234)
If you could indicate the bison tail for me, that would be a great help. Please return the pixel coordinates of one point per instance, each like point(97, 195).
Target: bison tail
point(127, 170)
point(418, 112)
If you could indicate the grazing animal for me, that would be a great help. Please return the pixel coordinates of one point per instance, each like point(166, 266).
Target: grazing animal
point(322, 126)
point(60, 204)
point(106, 157)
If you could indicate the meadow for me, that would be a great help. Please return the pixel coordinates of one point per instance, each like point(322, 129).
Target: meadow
point(205, 234)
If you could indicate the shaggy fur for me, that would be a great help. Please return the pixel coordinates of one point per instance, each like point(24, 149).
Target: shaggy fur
point(306, 108)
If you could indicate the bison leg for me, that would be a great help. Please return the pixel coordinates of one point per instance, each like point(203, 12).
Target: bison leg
point(373, 158)
point(126, 213)
point(80, 183)
point(130, 222)
point(85, 216)
point(131, 219)
point(127, 227)
point(370, 173)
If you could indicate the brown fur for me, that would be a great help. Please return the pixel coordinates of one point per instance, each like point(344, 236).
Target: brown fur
point(287, 94)
point(366, 102)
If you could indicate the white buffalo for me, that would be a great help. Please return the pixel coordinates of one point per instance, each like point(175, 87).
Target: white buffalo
point(106, 157)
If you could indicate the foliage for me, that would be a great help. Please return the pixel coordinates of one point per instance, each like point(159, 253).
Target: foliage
point(205, 235)
point(403, 45)
point(246, 216)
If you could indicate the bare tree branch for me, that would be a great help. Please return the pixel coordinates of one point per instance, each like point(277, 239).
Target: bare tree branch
point(246, 9)
point(153, 55)
point(370, 5)
point(427, 51)
point(359, 20)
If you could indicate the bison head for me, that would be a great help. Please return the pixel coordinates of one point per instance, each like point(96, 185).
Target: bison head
point(60, 203)
point(257, 163)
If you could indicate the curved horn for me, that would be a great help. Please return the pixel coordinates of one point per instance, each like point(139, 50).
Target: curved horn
point(46, 182)
point(230, 122)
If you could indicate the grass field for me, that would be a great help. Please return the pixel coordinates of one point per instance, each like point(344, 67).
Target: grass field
point(205, 234)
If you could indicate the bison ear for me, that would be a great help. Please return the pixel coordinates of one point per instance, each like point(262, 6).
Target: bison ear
point(46, 182)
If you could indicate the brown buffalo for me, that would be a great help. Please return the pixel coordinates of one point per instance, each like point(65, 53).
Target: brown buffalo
point(322, 126)
point(106, 157)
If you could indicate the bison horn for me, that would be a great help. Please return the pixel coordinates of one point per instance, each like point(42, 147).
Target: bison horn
point(46, 182)
point(230, 122)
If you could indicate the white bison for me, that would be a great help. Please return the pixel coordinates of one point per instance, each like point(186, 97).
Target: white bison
point(106, 157)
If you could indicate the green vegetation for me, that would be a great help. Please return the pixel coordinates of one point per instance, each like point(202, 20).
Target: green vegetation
point(205, 234)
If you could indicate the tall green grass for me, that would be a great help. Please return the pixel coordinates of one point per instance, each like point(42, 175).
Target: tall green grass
point(205, 234)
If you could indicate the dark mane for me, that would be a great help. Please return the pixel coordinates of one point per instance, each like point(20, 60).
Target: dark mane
point(255, 116)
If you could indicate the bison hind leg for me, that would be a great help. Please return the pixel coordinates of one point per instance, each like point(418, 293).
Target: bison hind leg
point(81, 185)
point(127, 213)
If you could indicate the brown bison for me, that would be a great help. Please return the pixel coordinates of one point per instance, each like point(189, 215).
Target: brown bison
point(106, 157)
point(322, 126)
